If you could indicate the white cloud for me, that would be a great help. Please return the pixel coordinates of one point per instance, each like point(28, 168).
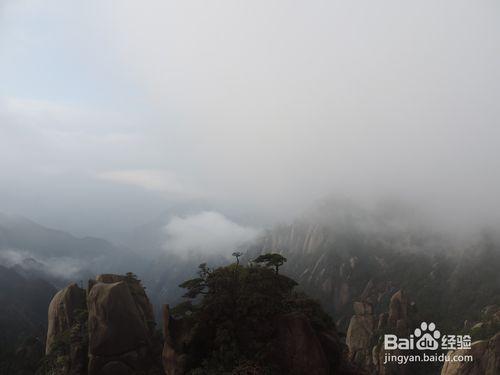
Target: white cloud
point(208, 233)
point(64, 267)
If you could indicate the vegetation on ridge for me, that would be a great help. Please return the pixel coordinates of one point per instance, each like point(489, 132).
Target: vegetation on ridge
point(233, 312)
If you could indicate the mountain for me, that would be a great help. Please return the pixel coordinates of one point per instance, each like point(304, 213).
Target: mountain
point(343, 255)
point(23, 320)
point(250, 321)
point(361, 264)
point(37, 251)
point(163, 275)
point(107, 329)
point(150, 236)
point(23, 304)
point(21, 233)
point(163, 266)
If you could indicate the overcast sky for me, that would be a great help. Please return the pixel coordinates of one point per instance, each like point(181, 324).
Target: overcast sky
point(111, 111)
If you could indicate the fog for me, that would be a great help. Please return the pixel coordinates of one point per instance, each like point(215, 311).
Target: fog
point(112, 112)
point(206, 233)
point(52, 267)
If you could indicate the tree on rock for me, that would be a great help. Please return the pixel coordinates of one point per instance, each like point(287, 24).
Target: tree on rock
point(271, 260)
point(237, 255)
point(255, 323)
point(197, 285)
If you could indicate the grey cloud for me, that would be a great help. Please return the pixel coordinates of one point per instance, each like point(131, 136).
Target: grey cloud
point(59, 267)
point(208, 232)
point(265, 107)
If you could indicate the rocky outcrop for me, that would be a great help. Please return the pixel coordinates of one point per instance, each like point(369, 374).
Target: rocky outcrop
point(62, 312)
point(299, 347)
point(398, 310)
point(144, 306)
point(118, 337)
point(66, 341)
point(176, 335)
point(485, 350)
point(115, 325)
point(360, 335)
point(486, 359)
point(363, 334)
point(487, 326)
point(121, 327)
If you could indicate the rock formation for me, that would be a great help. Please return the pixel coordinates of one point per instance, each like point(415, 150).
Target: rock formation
point(398, 312)
point(176, 337)
point(66, 330)
point(360, 334)
point(485, 350)
point(118, 337)
point(62, 312)
point(486, 359)
point(364, 333)
point(299, 347)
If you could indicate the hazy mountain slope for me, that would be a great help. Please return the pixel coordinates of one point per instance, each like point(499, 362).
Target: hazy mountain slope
point(23, 321)
point(21, 233)
point(340, 253)
point(163, 276)
point(23, 304)
point(37, 251)
point(167, 260)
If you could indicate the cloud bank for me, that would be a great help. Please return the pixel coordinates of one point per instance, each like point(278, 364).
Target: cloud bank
point(65, 268)
point(206, 233)
point(260, 107)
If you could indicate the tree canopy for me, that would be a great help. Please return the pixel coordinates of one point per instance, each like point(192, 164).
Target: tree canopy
point(233, 310)
point(271, 260)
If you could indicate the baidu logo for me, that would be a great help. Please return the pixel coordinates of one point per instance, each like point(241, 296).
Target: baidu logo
point(427, 337)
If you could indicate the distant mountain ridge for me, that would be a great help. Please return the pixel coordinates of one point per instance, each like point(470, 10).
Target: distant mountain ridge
point(335, 255)
point(21, 233)
point(23, 320)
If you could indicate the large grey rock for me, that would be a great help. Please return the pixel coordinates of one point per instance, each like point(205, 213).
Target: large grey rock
point(115, 322)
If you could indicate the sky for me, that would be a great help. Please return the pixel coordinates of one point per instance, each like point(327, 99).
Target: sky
point(111, 112)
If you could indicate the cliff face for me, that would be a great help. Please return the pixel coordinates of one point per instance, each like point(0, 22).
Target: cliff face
point(107, 329)
point(336, 265)
point(63, 310)
point(304, 244)
point(485, 348)
point(177, 336)
point(66, 327)
point(250, 320)
point(360, 334)
point(366, 327)
point(355, 265)
point(298, 348)
point(486, 354)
